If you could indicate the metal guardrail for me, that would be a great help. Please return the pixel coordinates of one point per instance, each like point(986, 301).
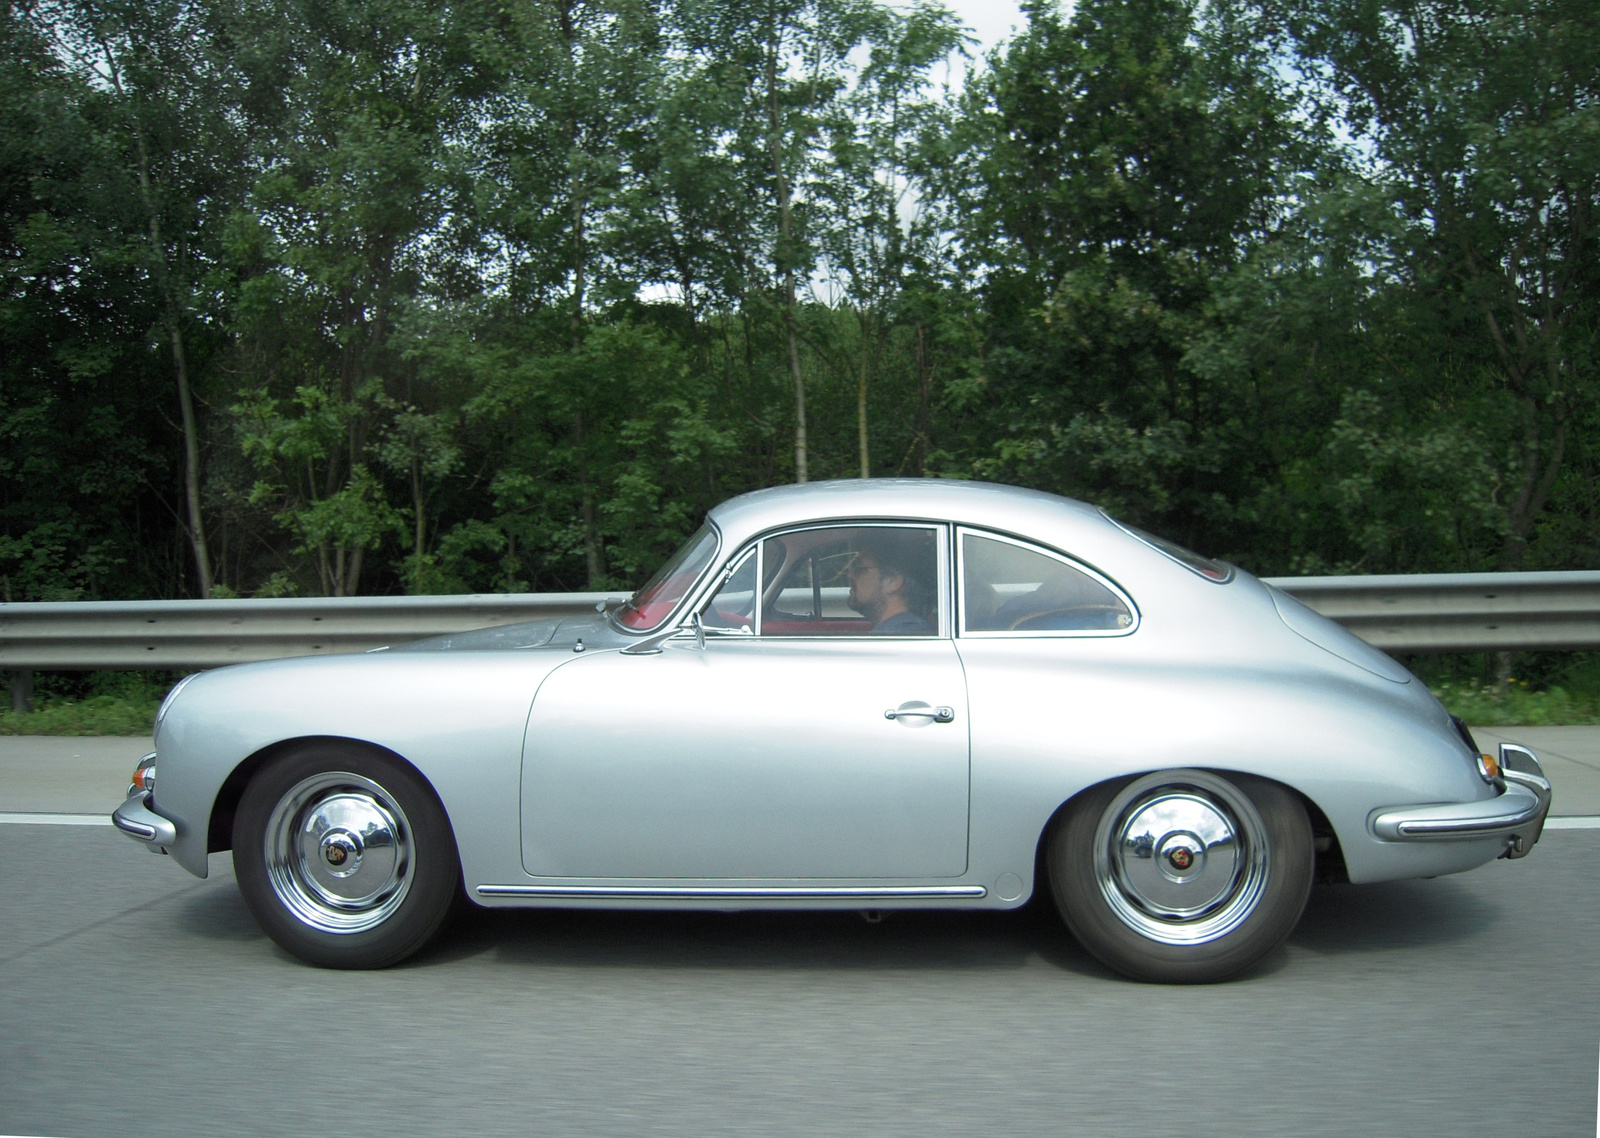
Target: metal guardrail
point(207, 634)
point(1442, 612)
point(1459, 612)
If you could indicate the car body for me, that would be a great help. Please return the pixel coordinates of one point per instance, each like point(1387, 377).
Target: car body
point(715, 745)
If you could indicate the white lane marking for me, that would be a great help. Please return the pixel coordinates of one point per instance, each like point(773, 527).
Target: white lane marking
point(1574, 822)
point(55, 819)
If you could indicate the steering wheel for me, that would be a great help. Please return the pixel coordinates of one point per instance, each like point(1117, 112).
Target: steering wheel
point(1069, 618)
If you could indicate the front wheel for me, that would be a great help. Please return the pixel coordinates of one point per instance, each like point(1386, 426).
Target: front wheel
point(344, 857)
point(1182, 876)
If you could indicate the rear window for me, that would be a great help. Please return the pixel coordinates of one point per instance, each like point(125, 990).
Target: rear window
point(1190, 560)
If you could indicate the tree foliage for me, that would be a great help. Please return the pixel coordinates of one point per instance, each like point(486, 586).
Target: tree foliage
point(382, 296)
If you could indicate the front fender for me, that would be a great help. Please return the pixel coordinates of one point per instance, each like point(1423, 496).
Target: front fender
point(458, 717)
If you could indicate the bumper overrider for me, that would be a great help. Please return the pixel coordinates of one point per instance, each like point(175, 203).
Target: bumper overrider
point(136, 818)
point(1517, 815)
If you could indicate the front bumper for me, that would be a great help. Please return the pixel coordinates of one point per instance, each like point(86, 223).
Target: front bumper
point(1516, 816)
point(135, 818)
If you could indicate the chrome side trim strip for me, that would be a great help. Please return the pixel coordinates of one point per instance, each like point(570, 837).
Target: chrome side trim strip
point(736, 892)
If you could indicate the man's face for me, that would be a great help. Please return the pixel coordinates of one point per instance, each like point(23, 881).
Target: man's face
point(867, 593)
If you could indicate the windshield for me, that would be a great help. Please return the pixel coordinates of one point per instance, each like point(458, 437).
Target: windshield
point(654, 602)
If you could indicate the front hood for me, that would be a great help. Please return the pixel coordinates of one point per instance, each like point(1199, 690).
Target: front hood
point(593, 629)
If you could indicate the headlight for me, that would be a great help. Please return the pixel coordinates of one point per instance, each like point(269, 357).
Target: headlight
point(144, 776)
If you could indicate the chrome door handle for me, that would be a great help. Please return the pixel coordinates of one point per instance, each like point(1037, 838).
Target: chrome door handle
point(937, 714)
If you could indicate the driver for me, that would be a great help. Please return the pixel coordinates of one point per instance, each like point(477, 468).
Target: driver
point(887, 588)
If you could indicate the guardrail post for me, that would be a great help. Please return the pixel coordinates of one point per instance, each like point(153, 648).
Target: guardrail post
point(21, 691)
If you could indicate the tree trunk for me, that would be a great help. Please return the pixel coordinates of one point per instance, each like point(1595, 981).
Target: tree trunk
point(421, 532)
point(174, 320)
point(352, 577)
point(861, 397)
point(785, 250)
point(593, 567)
point(924, 381)
point(191, 462)
point(593, 561)
point(1538, 479)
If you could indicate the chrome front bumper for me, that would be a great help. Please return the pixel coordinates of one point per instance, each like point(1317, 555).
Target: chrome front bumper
point(1517, 815)
point(135, 818)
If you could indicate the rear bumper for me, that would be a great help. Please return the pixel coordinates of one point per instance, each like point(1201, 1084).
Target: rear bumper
point(135, 818)
point(1516, 816)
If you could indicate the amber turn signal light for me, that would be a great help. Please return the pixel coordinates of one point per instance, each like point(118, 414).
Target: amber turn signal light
point(1489, 767)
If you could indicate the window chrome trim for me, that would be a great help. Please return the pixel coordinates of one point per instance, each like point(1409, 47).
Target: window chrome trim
point(946, 622)
point(959, 593)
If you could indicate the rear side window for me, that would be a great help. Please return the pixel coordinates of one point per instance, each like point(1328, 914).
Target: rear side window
point(1190, 560)
point(1008, 586)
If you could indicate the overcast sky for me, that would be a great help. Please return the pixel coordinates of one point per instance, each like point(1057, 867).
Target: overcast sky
point(991, 20)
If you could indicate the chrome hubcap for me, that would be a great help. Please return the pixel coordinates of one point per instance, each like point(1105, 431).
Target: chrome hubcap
point(339, 852)
point(1181, 857)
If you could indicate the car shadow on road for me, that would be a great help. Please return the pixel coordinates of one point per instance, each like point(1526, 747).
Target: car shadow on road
point(217, 913)
point(905, 940)
point(1396, 914)
point(1338, 919)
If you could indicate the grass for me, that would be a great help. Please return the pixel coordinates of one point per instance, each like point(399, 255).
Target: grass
point(90, 703)
point(93, 715)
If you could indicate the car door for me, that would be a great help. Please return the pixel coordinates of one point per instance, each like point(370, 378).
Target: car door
point(768, 753)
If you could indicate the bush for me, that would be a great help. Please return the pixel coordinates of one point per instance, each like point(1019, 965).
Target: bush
point(1517, 704)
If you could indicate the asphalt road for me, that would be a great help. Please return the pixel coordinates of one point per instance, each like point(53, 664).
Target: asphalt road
point(137, 1000)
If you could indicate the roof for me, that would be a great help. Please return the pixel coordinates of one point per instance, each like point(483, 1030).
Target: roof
point(934, 499)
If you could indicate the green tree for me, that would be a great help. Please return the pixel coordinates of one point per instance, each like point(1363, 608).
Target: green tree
point(353, 217)
point(872, 232)
point(1110, 169)
point(1483, 119)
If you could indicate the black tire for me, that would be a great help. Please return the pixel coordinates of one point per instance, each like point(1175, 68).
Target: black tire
point(344, 856)
point(1183, 876)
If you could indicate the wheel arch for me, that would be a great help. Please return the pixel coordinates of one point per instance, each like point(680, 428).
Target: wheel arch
point(1329, 866)
point(219, 833)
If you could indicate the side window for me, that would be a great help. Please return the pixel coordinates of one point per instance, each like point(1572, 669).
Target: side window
point(1010, 587)
point(851, 581)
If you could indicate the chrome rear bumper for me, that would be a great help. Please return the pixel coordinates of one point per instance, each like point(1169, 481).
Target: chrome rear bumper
point(135, 818)
point(1517, 815)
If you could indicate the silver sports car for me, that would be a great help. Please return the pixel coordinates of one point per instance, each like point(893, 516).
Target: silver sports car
point(864, 695)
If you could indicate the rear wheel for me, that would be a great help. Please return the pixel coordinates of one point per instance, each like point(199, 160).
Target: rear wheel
point(344, 856)
point(1182, 876)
